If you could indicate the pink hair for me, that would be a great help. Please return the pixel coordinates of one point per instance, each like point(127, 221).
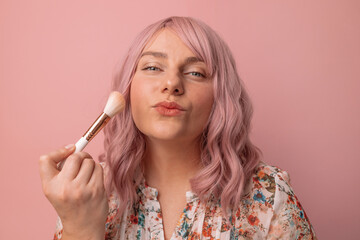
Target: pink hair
point(228, 156)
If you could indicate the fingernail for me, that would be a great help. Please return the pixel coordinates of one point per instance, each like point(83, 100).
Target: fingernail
point(69, 146)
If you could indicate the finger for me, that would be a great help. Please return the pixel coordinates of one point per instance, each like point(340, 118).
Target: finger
point(72, 165)
point(86, 171)
point(97, 178)
point(48, 162)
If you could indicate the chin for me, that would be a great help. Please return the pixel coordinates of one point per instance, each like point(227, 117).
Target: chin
point(165, 135)
point(165, 132)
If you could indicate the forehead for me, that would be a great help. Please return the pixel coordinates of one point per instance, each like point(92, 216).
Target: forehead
point(167, 41)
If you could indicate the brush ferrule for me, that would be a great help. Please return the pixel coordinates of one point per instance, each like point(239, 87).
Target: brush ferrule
point(99, 123)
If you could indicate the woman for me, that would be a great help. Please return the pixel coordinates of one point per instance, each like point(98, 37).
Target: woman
point(178, 162)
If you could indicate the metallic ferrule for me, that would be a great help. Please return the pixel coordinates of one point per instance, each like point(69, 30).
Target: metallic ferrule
point(99, 123)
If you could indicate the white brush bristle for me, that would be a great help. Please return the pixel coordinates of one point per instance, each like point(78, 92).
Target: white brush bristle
point(115, 104)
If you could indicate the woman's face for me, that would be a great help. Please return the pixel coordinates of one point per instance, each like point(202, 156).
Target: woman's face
point(170, 96)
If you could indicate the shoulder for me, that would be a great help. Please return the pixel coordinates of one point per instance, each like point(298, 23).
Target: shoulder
point(263, 169)
point(265, 189)
point(266, 179)
point(272, 206)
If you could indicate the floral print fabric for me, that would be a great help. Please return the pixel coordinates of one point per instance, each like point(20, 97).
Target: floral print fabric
point(268, 210)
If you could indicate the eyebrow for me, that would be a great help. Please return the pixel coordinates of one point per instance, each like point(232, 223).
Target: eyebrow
point(165, 56)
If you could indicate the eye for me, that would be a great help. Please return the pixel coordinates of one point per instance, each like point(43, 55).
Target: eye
point(152, 67)
point(198, 74)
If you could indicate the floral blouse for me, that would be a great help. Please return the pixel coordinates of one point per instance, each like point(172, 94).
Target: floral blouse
point(268, 210)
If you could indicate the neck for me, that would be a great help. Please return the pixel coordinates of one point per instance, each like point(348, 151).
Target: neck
point(171, 164)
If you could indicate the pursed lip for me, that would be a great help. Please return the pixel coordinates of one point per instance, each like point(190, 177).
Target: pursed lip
point(169, 105)
point(169, 109)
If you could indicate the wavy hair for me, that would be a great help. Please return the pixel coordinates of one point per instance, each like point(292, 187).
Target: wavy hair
point(227, 154)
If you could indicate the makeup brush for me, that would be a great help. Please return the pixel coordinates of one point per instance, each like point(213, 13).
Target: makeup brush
point(114, 105)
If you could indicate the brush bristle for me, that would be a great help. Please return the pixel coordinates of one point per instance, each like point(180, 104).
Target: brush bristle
point(115, 104)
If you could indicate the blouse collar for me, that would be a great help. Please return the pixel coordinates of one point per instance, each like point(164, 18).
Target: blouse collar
point(151, 193)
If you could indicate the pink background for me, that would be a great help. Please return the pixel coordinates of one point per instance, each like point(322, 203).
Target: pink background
point(299, 60)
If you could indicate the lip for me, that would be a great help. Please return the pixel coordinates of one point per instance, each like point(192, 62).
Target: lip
point(169, 108)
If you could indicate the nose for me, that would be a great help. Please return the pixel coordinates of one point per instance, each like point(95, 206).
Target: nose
point(173, 85)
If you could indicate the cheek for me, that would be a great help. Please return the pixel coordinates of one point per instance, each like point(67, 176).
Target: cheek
point(136, 99)
point(203, 104)
point(141, 97)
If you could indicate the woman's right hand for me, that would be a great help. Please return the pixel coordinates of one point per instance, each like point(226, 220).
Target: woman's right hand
point(76, 192)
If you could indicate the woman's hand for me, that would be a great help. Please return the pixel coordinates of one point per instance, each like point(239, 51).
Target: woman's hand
point(76, 192)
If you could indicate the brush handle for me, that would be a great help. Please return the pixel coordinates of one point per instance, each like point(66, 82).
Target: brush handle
point(94, 129)
point(80, 145)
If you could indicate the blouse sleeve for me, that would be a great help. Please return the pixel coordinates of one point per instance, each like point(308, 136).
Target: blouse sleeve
point(58, 229)
point(289, 220)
